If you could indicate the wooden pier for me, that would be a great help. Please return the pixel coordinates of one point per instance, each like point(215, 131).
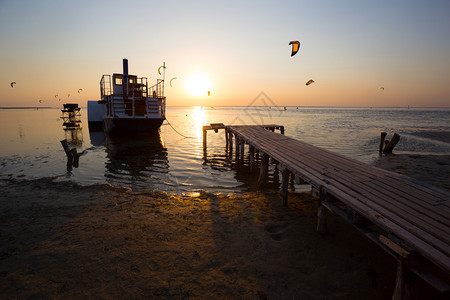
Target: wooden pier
point(407, 218)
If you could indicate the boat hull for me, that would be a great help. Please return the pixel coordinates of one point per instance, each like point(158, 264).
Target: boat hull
point(128, 125)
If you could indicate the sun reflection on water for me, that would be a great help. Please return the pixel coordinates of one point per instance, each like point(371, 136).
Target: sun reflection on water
point(199, 120)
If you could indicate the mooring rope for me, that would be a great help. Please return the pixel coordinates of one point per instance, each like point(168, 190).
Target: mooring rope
point(188, 137)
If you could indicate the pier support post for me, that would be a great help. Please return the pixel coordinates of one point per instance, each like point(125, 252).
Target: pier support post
point(242, 151)
point(263, 171)
point(252, 157)
point(204, 138)
point(237, 152)
point(282, 129)
point(276, 171)
point(292, 182)
point(226, 139)
point(322, 220)
point(322, 213)
point(230, 139)
point(406, 283)
point(284, 185)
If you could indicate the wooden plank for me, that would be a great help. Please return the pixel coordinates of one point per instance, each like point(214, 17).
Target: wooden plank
point(396, 248)
point(358, 166)
point(436, 210)
point(356, 163)
point(388, 192)
point(394, 217)
point(386, 214)
point(366, 189)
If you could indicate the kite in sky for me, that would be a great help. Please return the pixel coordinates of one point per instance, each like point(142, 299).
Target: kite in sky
point(159, 69)
point(171, 81)
point(295, 47)
point(382, 88)
point(12, 84)
point(209, 93)
point(79, 90)
point(309, 82)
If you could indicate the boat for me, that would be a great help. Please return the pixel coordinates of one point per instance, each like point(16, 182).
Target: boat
point(127, 104)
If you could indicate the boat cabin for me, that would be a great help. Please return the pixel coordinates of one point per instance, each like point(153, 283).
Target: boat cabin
point(128, 102)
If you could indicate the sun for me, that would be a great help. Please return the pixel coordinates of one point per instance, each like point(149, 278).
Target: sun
point(198, 84)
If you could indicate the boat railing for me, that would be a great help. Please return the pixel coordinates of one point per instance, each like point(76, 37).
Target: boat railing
point(105, 86)
point(157, 90)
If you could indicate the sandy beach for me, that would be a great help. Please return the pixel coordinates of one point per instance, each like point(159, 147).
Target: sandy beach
point(432, 169)
point(65, 241)
point(61, 240)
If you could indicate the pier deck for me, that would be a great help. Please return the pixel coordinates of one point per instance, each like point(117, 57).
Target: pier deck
point(408, 218)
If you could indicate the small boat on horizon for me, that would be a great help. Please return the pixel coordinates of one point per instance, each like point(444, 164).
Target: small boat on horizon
point(127, 104)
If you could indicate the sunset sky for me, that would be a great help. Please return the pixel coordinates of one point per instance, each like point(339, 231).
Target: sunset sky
point(234, 49)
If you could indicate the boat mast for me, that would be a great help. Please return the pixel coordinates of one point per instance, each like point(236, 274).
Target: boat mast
point(164, 77)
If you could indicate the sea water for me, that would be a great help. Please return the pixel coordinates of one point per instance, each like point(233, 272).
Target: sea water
point(175, 160)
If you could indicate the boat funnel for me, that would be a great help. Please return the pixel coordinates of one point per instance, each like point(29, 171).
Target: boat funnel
point(125, 66)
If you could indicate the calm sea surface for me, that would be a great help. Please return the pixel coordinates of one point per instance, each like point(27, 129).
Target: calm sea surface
point(30, 144)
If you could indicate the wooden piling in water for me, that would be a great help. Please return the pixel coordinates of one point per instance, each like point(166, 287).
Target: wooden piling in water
point(237, 152)
point(204, 137)
point(230, 140)
point(382, 138)
point(392, 143)
point(263, 170)
point(251, 151)
point(292, 182)
point(242, 151)
point(226, 139)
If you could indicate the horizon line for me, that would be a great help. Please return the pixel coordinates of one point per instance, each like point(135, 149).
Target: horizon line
point(304, 106)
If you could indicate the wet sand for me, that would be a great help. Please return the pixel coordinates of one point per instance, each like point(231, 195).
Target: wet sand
point(65, 241)
point(438, 135)
point(432, 169)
